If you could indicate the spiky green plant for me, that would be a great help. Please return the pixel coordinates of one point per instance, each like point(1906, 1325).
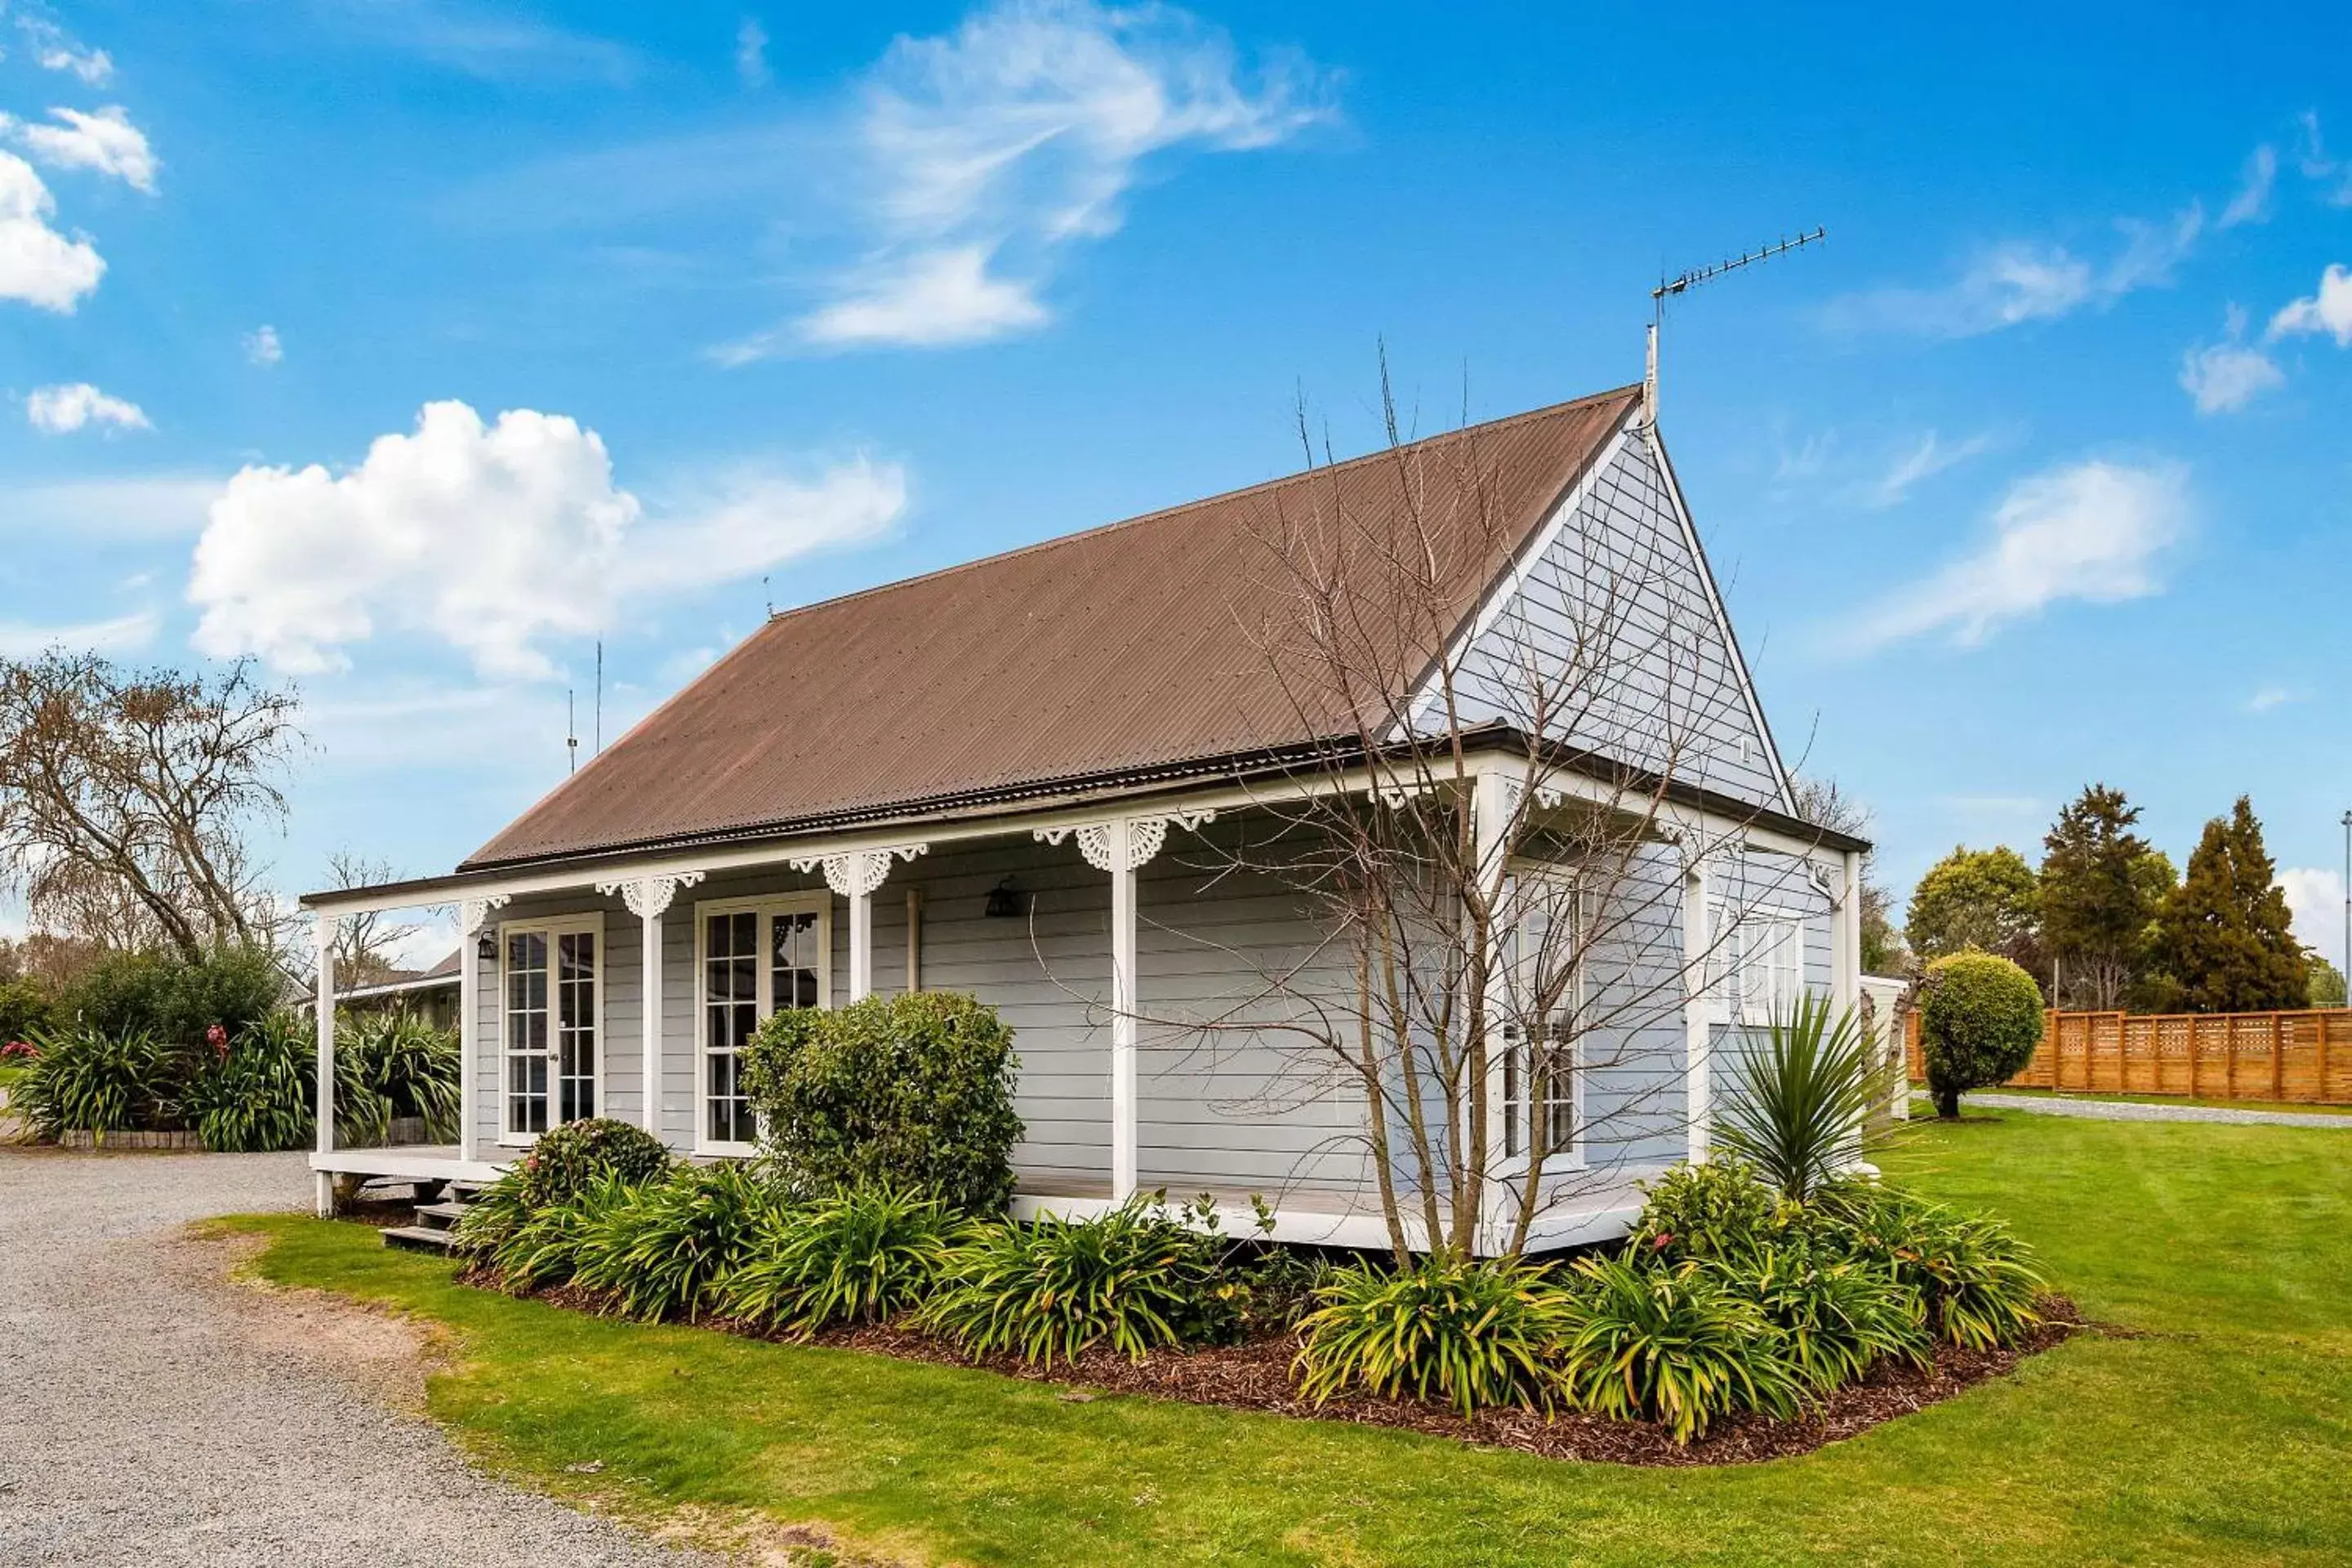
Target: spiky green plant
point(1471, 1334)
point(662, 1253)
point(1669, 1345)
point(1837, 1315)
point(257, 1095)
point(413, 1066)
point(1134, 1278)
point(550, 1245)
point(1979, 1282)
point(1796, 1109)
point(85, 1080)
point(858, 1256)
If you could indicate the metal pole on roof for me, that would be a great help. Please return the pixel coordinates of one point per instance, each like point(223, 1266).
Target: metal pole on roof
point(1692, 279)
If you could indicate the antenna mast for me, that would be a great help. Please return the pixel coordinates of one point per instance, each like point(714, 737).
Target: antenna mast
point(600, 698)
point(1692, 279)
point(570, 733)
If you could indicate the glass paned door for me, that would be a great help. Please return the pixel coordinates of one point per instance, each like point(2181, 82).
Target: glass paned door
point(576, 1026)
point(526, 1032)
point(730, 1003)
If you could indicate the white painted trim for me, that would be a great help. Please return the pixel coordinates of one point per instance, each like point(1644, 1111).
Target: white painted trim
point(767, 907)
point(469, 1042)
point(1731, 648)
point(1498, 597)
point(1698, 1008)
point(1566, 1225)
point(552, 926)
point(412, 1164)
point(323, 936)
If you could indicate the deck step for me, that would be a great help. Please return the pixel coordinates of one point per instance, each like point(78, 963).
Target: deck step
point(440, 1216)
point(416, 1239)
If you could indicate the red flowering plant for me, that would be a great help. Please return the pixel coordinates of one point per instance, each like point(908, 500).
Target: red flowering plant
point(217, 1038)
point(19, 1051)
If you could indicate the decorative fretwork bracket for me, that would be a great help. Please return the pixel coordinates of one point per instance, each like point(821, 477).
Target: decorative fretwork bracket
point(1146, 835)
point(473, 913)
point(649, 896)
point(859, 873)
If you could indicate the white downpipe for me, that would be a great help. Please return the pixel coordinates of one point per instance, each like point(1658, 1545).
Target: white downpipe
point(469, 1042)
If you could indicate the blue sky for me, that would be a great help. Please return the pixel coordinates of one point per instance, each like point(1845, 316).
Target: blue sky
point(410, 344)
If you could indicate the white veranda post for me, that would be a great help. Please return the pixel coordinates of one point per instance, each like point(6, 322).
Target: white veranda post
point(1698, 935)
point(1846, 936)
point(648, 897)
point(857, 876)
point(472, 915)
point(1123, 846)
point(322, 933)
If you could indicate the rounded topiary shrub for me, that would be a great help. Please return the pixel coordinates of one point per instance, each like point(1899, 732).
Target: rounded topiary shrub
point(1979, 1019)
point(567, 1160)
point(905, 1091)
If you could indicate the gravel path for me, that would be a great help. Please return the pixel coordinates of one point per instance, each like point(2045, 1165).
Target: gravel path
point(2144, 1111)
point(149, 1415)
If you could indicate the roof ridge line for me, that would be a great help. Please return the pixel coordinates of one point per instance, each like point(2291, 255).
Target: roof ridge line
point(1633, 388)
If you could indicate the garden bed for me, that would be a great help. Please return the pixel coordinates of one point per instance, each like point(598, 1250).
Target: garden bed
point(1255, 1375)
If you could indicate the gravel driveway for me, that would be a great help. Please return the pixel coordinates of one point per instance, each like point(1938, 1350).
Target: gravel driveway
point(2146, 1111)
point(145, 1418)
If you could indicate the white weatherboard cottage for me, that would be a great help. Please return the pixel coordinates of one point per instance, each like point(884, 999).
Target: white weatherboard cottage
point(1026, 778)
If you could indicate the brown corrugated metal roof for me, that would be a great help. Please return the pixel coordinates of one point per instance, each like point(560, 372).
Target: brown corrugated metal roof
point(1130, 649)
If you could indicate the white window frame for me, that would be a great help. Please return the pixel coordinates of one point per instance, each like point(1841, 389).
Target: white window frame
point(767, 907)
point(1741, 988)
point(1517, 1117)
point(550, 928)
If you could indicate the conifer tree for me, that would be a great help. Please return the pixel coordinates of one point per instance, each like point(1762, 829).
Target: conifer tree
point(2098, 900)
point(2225, 937)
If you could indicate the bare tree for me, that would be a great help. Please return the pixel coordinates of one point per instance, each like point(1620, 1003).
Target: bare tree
point(364, 946)
point(1495, 830)
point(127, 799)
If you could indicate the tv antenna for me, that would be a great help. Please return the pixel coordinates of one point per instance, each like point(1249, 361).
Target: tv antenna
point(1689, 281)
point(600, 698)
point(570, 733)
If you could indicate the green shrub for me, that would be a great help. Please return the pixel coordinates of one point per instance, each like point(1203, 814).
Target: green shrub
point(906, 1092)
point(1796, 1107)
point(1473, 1334)
point(83, 1080)
point(548, 1246)
point(661, 1253)
point(566, 1159)
point(858, 1255)
point(25, 1010)
point(1837, 1315)
point(1135, 1276)
point(1979, 1019)
point(1709, 1211)
point(492, 1216)
point(1669, 1345)
point(1978, 1280)
point(258, 1094)
point(176, 999)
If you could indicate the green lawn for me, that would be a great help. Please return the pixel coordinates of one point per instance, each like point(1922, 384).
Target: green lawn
point(2222, 1433)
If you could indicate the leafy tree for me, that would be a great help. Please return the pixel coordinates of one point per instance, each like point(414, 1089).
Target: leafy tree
point(1979, 1019)
point(2327, 982)
point(1984, 899)
point(2225, 936)
point(2100, 894)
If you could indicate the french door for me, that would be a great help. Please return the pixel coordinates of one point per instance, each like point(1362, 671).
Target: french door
point(553, 1033)
point(755, 956)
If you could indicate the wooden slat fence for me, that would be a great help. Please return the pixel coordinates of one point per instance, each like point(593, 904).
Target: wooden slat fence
point(2304, 1056)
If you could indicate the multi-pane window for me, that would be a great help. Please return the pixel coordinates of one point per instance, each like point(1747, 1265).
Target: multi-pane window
point(755, 958)
point(550, 1024)
point(1757, 964)
point(1542, 1085)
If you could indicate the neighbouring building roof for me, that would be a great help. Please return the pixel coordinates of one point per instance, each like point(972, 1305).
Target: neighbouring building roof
point(404, 984)
point(1127, 651)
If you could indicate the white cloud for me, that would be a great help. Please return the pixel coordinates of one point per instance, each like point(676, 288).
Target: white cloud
point(39, 265)
point(2314, 898)
point(2015, 282)
point(2316, 166)
point(2252, 203)
point(987, 151)
point(2092, 531)
point(58, 51)
point(2329, 310)
point(2268, 698)
point(751, 53)
point(56, 410)
point(493, 538)
point(106, 142)
point(262, 346)
point(2224, 376)
point(487, 41)
point(1931, 456)
point(120, 635)
point(142, 506)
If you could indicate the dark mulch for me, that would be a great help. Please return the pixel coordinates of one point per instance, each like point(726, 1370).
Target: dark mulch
point(1255, 1375)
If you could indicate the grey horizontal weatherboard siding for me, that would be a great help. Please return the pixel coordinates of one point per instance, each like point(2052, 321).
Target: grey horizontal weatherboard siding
point(1619, 602)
